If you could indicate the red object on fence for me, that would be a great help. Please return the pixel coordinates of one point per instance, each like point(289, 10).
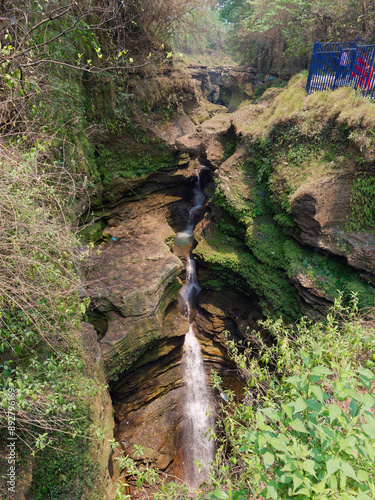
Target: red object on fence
point(368, 78)
point(359, 69)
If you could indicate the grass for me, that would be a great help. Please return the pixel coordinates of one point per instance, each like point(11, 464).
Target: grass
point(361, 214)
point(344, 106)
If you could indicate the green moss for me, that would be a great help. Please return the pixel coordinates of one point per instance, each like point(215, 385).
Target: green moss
point(361, 215)
point(285, 220)
point(245, 272)
point(328, 273)
point(243, 198)
point(229, 226)
point(230, 147)
point(214, 281)
point(257, 229)
point(115, 162)
point(266, 241)
point(92, 233)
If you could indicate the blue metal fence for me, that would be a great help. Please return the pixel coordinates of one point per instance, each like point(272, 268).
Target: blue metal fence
point(339, 64)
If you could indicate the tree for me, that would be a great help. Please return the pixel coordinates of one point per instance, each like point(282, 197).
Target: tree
point(201, 32)
point(278, 35)
point(233, 11)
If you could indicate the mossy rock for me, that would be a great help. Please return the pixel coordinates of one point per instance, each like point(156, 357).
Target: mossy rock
point(92, 233)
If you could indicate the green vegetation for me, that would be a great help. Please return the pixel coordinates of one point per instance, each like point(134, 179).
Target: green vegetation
point(43, 361)
point(240, 268)
point(56, 63)
point(304, 141)
point(69, 462)
point(328, 274)
point(254, 193)
point(76, 78)
point(305, 428)
point(278, 37)
point(145, 476)
point(113, 163)
point(362, 202)
point(202, 36)
point(309, 431)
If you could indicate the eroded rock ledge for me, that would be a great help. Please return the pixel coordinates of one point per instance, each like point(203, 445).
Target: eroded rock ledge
point(133, 285)
point(248, 264)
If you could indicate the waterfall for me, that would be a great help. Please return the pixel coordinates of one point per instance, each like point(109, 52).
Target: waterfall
point(186, 237)
point(197, 445)
point(198, 201)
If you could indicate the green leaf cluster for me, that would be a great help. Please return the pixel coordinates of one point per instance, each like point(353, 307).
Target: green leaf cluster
point(309, 432)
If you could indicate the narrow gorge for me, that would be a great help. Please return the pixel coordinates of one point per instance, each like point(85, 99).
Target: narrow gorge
point(187, 256)
point(259, 252)
point(145, 305)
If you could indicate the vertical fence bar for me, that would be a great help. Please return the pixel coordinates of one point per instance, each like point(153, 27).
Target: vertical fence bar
point(338, 74)
point(312, 66)
point(335, 62)
point(318, 71)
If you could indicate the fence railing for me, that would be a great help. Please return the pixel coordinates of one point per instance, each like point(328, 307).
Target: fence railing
point(339, 64)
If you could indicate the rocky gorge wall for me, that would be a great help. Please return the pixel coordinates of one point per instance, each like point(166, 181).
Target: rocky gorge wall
point(136, 271)
point(290, 214)
point(271, 241)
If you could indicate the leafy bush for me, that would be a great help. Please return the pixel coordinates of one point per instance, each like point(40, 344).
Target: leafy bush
point(306, 428)
point(42, 359)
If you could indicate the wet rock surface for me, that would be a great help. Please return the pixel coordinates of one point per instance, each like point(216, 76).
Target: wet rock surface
point(134, 278)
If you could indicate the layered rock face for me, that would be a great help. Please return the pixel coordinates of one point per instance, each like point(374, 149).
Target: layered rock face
point(228, 85)
point(134, 278)
point(319, 213)
point(133, 284)
point(260, 248)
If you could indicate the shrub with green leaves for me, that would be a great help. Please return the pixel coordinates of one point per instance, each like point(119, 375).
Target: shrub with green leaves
point(309, 446)
point(43, 363)
point(306, 428)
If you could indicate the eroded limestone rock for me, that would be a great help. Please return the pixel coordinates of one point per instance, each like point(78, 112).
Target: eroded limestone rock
point(320, 210)
point(226, 85)
point(133, 279)
point(207, 141)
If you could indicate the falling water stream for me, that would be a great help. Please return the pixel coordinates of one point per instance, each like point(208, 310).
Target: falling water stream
point(198, 403)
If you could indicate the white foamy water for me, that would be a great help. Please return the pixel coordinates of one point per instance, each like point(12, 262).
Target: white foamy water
point(190, 289)
point(199, 403)
point(186, 237)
